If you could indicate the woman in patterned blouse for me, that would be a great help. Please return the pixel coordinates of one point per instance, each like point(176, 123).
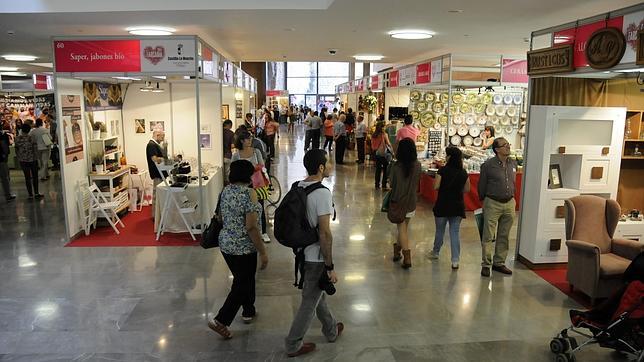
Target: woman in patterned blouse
point(240, 241)
point(26, 151)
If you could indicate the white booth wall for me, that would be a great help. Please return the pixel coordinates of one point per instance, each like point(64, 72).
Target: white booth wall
point(396, 97)
point(228, 98)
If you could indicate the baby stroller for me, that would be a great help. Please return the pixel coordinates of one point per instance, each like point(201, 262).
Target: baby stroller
point(618, 323)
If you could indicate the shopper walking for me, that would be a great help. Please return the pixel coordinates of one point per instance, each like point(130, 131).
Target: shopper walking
point(340, 138)
point(361, 133)
point(381, 145)
point(239, 242)
point(451, 182)
point(27, 154)
point(316, 130)
point(328, 132)
point(229, 139)
point(404, 178)
point(496, 190)
point(43, 139)
point(272, 131)
point(5, 142)
point(245, 151)
point(318, 261)
point(308, 132)
point(407, 131)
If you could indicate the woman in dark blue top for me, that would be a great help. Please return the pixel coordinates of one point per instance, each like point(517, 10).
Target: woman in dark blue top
point(451, 182)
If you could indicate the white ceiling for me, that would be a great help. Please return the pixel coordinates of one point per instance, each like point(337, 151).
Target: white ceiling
point(307, 33)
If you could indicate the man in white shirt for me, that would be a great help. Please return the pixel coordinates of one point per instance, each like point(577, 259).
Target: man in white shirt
point(318, 260)
point(361, 133)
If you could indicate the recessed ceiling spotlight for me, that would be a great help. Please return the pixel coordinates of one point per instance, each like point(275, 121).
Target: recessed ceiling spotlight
point(368, 57)
point(455, 11)
point(8, 69)
point(150, 30)
point(20, 58)
point(411, 34)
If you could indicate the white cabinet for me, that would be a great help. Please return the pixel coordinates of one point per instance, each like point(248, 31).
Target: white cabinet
point(586, 144)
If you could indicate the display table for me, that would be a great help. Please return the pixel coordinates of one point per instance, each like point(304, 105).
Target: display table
point(471, 198)
point(174, 223)
point(630, 229)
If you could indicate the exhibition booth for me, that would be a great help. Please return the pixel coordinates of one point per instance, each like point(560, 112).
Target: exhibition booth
point(113, 94)
point(586, 128)
point(238, 95)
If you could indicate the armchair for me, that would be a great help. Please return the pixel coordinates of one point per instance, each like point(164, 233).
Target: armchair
point(596, 260)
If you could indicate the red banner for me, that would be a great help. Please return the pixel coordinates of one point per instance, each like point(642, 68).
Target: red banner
point(579, 37)
point(514, 71)
point(97, 56)
point(374, 82)
point(393, 79)
point(423, 73)
point(40, 81)
point(276, 93)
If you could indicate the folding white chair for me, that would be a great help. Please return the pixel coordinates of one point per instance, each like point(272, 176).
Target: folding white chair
point(100, 207)
point(84, 202)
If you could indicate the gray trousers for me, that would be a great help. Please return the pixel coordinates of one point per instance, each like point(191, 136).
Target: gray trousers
point(313, 302)
point(4, 178)
point(43, 160)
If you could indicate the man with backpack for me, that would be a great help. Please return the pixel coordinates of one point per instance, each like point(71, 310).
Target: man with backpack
point(313, 241)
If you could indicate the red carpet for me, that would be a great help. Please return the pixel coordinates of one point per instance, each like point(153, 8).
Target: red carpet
point(138, 232)
point(557, 277)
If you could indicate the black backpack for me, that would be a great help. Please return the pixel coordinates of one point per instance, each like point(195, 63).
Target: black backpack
point(291, 226)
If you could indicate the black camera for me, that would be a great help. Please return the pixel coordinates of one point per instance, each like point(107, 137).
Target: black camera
point(325, 284)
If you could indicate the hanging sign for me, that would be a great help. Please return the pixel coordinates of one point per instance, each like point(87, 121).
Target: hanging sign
point(167, 56)
point(514, 71)
point(437, 71)
point(633, 24)
point(97, 56)
point(375, 83)
point(556, 59)
point(423, 73)
point(605, 48)
point(276, 93)
point(579, 37)
point(393, 79)
point(407, 76)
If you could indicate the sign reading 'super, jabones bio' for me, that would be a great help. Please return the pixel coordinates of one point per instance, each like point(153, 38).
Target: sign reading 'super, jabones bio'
point(97, 56)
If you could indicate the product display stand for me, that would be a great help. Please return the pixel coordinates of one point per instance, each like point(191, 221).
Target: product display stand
point(113, 186)
point(171, 203)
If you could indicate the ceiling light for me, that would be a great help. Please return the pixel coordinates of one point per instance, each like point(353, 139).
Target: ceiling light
point(8, 69)
point(20, 58)
point(148, 87)
point(411, 34)
point(150, 30)
point(126, 78)
point(44, 65)
point(368, 57)
point(159, 76)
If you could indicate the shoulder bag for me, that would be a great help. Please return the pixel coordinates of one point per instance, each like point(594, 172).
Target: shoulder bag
point(210, 236)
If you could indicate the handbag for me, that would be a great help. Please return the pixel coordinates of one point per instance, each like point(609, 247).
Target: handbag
point(385, 202)
point(259, 177)
point(396, 212)
point(210, 236)
point(46, 139)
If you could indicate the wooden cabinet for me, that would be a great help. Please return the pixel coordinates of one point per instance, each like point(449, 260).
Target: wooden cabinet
point(631, 185)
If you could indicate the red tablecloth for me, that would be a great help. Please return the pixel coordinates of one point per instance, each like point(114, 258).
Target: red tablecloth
point(471, 198)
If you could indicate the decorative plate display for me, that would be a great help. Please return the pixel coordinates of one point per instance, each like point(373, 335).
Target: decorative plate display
point(458, 119)
point(482, 120)
point(478, 142)
point(427, 118)
point(498, 130)
point(421, 106)
point(458, 97)
point(453, 108)
point(489, 110)
point(429, 97)
point(470, 120)
point(505, 121)
point(455, 140)
point(465, 108)
point(451, 131)
point(508, 130)
point(479, 108)
point(512, 111)
point(415, 115)
point(518, 99)
point(498, 99)
point(499, 110)
point(495, 120)
point(472, 98)
point(442, 119)
point(487, 98)
point(462, 130)
point(437, 126)
point(475, 131)
point(444, 97)
point(468, 140)
point(507, 99)
point(438, 107)
point(515, 121)
point(414, 95)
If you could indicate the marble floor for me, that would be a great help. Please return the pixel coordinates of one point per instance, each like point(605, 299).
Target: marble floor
point(151, 304)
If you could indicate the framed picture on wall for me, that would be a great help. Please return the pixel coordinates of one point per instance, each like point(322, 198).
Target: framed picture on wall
point(139, 125)
point(225, 111)
point(157, 126)
point(554, 177)
point(206, 141)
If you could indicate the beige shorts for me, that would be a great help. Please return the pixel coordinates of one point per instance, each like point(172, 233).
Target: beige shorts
point(410, 214)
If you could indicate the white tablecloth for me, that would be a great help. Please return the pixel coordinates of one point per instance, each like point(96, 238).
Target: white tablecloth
point(211, 189)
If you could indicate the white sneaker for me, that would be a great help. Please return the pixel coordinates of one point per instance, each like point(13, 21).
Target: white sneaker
point(454, 266)
point(431, 255)
point(266, 238)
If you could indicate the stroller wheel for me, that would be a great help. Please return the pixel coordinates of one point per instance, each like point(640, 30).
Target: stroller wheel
point(564, 357)
point(559, 346)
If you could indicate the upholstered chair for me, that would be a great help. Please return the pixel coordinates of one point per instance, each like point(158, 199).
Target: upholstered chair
point(596, 260)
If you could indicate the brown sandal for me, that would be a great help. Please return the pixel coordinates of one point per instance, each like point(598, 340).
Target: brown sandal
point(221, 329)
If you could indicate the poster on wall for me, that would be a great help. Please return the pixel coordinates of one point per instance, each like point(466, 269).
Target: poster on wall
point(239, 110)
point(13, 107)
point(102, 96)
point(225, 112)
point(71, 111)
point(157, 126)
point(139, 125)
point(115, 126)
point(206, 141)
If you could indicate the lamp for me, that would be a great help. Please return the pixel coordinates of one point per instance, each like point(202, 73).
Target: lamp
point(158, 89)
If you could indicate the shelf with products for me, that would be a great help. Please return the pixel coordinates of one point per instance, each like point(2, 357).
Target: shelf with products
point(633, 133)
point(114, 186)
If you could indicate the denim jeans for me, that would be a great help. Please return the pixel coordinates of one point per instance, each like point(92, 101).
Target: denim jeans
point(455, 241)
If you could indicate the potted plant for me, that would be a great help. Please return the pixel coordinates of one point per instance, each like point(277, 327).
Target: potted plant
point(97, 161)
point(96, 130)
point(103, 128)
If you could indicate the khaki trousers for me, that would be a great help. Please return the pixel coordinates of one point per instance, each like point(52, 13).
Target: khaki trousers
point(497, 222)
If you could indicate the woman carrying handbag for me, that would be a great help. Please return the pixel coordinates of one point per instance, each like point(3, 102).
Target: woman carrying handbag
point(380, 143)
